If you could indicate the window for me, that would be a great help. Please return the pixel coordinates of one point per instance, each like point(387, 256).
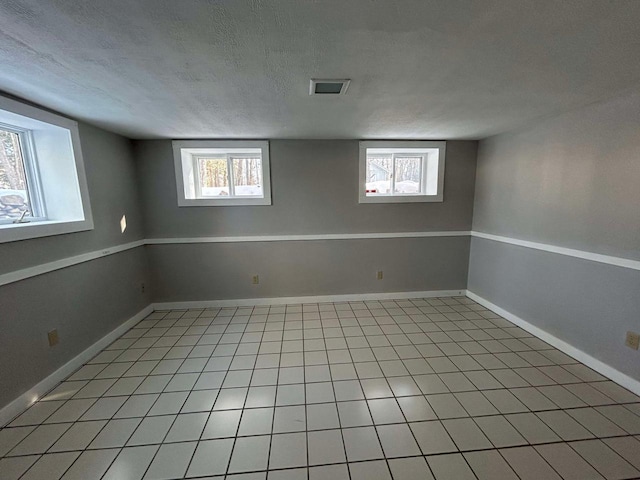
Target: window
point(222, 173)
point(43, 188)
point(401, 171)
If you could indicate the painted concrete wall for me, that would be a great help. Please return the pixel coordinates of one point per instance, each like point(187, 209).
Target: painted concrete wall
point(314, 191)
point(314, 188)
point(213, 271)
point(572, 181)
point(112, 183)
point(86, 301)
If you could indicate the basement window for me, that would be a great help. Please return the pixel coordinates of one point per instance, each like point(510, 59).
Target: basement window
point(222, 173)
point(43, 188)
point(401, 171)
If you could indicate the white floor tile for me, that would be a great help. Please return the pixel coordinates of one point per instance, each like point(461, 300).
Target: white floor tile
point(210, 458)
point(12, 468)
point(256, 421)
point(91, 464)
point(51, 466)
point(131, 463)
point(361, 444)
point(288, 450)
point(432, 437)
point(249, 454)
point(116, 433)
point(326, 447)
point(187, 427)
point(241, 391)
point(289, 419)
point(397, 441)
point(151, 430)
point(171, 461)
point(79, 436)
point(222, 424)
point(40, 439)
point(376, 470)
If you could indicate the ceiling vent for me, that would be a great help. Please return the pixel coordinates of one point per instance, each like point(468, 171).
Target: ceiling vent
point(329, 86)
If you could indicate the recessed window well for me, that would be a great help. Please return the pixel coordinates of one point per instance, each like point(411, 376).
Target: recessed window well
point(329, 86)
point(401, 171)
point(222, 173)
point(43, 188)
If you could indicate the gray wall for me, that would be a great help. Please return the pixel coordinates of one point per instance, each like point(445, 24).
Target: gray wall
point(314, 191)
point(572, 181)
point(86, 301)
point(224, 270)
point(314, 186)
point(112, 183)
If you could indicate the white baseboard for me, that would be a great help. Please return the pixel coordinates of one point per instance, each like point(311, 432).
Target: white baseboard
point(20, 404)
point(608, 371)
point(357, 297)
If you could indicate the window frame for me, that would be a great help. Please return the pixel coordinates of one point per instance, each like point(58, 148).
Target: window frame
point(182, 146)
point(47, 222)
point(32, 174)
point(403, 149)
point(230, 157)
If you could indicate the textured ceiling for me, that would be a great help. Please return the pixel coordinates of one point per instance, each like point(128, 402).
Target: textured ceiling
point(240, 69)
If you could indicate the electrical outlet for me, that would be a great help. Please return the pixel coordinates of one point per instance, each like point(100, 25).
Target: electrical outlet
point(53, 337)
point(632, 340)
point(256, 280)
point(142, 287)
point(380, 274)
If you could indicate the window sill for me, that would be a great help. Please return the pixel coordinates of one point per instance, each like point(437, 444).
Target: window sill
point(401, 199)
point(13, 232)
point(227, 202)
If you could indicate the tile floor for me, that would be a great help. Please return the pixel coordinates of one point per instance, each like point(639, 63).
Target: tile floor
point(409, 389)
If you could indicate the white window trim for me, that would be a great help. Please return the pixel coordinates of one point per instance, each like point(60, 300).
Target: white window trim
point(178, 145)
point(37, 228)
point(399, 145)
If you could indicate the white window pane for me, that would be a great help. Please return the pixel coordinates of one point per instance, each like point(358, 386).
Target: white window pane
point(408, 172)
point(247, 176)
point(14, 191)
point(378, 175)
point(214, 177)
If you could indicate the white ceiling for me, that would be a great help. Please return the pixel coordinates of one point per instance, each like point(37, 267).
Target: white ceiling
point(240, 69)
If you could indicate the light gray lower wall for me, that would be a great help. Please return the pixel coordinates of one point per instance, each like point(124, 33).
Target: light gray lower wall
point(83, 302)
point(587, 304)
point(211, 271)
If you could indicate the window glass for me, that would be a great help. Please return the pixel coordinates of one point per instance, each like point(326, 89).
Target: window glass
point(247, 176)
point(408, 175)
point(379, 171)
point(214, 177)
point(14, 188)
